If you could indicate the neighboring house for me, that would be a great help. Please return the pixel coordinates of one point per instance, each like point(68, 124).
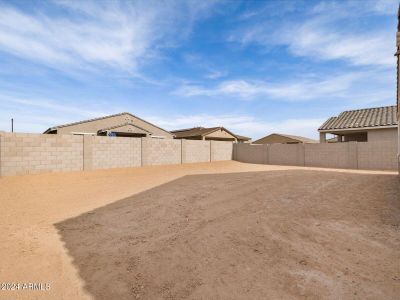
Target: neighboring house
point(278, 138)
point(123, 124)
point(243, 139)
point(362, 125)
point(213, 133)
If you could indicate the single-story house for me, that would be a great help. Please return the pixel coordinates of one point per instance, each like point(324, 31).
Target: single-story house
point(212, 133)
point(243, 139)
point(362, 125)
point(279, 138)
point(122, 124)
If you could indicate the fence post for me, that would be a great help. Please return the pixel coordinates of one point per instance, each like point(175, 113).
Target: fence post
point(141, 152)
point(210, 150)
point(182, 151)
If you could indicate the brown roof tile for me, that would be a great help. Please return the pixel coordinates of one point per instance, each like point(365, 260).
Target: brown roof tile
point(362, 118)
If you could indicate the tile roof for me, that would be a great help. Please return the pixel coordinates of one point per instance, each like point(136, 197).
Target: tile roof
point(362, 118)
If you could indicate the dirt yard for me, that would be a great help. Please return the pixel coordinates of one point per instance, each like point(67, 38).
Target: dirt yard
point(223, 230)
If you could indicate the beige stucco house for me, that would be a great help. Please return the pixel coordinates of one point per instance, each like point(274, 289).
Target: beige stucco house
point(212, 133)
point(362, 125)
point(123, 124)
point(279, 138)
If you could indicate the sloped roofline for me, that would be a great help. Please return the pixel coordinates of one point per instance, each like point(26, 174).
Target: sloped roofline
point(293, 137)
point(206, 130)
point(123, 124)
point(101, 118)
point(339, 123)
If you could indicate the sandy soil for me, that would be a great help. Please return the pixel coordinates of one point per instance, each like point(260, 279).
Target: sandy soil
point(184, 231)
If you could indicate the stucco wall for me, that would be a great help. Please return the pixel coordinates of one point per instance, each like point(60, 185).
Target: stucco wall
point(381, 135)
point(195, 151)
point(222, 134)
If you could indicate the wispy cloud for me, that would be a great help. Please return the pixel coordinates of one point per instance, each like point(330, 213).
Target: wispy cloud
point(216, 74)
point(323, 34)
point(35, 113)
point(113, 34)
point(299, 90)
point(243, 124)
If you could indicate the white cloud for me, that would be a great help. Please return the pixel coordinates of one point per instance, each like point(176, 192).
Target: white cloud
point(317, 41)
point(328, 34)
point(242, 124)
point(36, 114)
point(90, 34)
point(299, 90)
point(216, 74)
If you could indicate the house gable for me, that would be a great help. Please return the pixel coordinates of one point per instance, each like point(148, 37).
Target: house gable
point(94, 125)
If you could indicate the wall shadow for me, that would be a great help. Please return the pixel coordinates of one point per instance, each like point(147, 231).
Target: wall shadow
point(236, 235)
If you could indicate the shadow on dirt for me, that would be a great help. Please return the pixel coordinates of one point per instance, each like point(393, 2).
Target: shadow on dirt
point(275, 234)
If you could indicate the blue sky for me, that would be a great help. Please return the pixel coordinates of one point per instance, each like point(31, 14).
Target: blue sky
point(255, 67)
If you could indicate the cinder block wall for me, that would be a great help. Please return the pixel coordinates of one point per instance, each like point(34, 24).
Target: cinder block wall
point(23, 153)
point(373, 155)
point(286, 154)
point(337, 155)
point(161, 151)
point(108, 152)
point(351, 155)
point(195, 151)
point(221, 150)
point(248, 153)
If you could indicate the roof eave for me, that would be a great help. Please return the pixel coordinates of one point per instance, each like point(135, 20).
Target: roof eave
point(358, 128)
point(50, 130)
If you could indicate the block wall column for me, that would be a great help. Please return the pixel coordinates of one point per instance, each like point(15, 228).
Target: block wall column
point(322, 137)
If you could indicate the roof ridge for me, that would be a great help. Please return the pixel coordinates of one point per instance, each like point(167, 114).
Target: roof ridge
point(369, 108)
point(105, 117)
point(123, 124)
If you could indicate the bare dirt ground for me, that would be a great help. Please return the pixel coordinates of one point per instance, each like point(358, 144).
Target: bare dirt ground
point(173, 232)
